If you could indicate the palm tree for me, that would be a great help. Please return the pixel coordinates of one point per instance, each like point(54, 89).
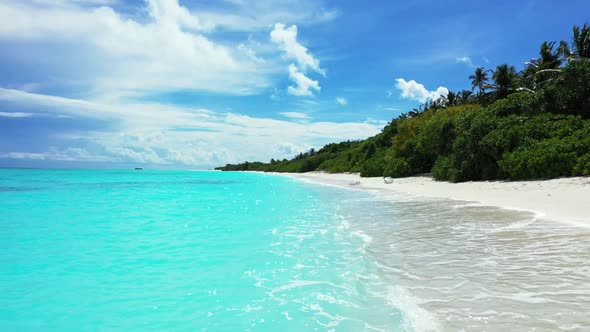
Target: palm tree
point(465, 97)
point(581, 41)
point(504, 80)
point(542, 69)
point(479, 79)
point(451, 99)
point(550, 58)
point(580, 47)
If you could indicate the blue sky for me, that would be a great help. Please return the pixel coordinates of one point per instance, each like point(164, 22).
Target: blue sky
point(196, 84)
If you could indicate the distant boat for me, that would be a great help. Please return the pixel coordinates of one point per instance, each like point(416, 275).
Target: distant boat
point(138, 168)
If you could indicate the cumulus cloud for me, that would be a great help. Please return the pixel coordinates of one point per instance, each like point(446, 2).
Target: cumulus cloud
point(286, 39)
point(416, 91)
point(169, 12)
point(341, 100)
point(303, 84)
point(106, 51)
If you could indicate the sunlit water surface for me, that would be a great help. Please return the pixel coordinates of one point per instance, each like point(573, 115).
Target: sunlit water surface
point(211, 251)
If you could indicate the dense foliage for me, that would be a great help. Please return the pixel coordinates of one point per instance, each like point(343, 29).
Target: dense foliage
point(519, 125)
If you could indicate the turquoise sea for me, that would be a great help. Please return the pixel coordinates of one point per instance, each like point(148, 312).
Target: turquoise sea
point(107, 250)
point(181, 251)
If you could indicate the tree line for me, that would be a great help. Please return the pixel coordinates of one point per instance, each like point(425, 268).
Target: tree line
point(532, 123)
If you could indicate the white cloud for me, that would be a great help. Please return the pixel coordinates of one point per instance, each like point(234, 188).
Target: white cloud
point(286, 39)
point(106, 52)
point(295, 115)
point(169, 135)
point(162, 45)
point(24, 155)
point(303, 84)
point(392, 109)
point(170, 12)
point(15, 114)
point(465, 60)
point(341, 100)
point(416, 91)
point(67, 154)
point(238, 15)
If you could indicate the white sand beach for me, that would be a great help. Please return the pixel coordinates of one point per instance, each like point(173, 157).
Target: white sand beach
point(563, 199)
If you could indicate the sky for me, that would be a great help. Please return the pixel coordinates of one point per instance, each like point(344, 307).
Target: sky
point(198, 84)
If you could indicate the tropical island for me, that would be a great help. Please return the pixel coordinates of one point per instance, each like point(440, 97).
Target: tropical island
point(516, 125)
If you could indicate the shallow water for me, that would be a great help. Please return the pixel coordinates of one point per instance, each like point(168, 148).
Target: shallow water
point(471, 268)
point(116, 250)
point(147, 250)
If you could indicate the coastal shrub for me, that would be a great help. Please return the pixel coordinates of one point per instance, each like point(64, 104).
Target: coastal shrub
point(403, 143)
point(518, 103)
point(397, 168)
point(409, 143)
point(517, 130)
point(544, 159)
point(471, 162)
point(444, 169)
point(339, 163)
point(374, 165)
point(569, 93)
point(582, 166)
point(422, 139)
point(438, 134)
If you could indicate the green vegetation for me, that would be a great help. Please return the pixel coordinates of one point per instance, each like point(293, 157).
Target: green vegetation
point(519, 125)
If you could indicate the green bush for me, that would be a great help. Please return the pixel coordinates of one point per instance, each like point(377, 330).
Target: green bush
point(444, 169)
point(397, 168)
point(569, 93)
point(582, 166)
point(545, 159)
point(373, 166)
point(522, 103)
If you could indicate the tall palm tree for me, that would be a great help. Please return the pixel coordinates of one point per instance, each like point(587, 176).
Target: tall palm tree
point(550, 58)
point(465, 97)
point(581, 41)
point(451, 99)
point(580, 47)
point(504, 80)
point(479, 79)
point(543, 69)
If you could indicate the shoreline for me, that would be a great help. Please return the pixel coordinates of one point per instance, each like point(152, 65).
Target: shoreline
point(564, 199)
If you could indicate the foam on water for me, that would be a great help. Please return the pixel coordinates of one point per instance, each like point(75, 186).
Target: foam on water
point(464, 267)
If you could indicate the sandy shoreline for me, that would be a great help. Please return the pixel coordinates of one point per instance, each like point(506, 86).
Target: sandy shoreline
point(564, 199)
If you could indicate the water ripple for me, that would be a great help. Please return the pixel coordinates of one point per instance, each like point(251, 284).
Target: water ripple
point(479, 268)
